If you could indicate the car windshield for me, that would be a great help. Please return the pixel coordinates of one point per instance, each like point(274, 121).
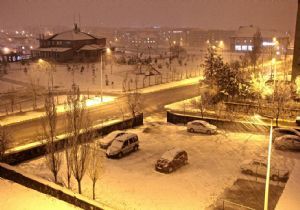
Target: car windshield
point(117, 144)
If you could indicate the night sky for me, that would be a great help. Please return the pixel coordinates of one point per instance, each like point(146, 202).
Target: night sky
point(206, 14)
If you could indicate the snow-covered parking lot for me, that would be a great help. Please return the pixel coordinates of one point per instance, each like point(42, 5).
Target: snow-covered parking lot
point(132, 182)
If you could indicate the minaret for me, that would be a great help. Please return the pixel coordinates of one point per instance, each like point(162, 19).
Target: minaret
point(296, 58)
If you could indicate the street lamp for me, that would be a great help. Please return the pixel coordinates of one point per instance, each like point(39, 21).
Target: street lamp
point(109, 52)
point(266, 198)
point(47, 64)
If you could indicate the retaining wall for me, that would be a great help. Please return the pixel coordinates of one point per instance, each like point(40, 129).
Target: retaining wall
point(49, 188)
point(237, 126)
point(38, 149)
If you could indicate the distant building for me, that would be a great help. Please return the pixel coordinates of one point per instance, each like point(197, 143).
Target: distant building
point(73, 45)
point(272, 40)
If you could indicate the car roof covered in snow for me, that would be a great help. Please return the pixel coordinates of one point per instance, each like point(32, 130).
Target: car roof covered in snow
point(200, 121)
point(109, 137)
point(170, 154)
point(295, 137)
point(287, 129)
point(125, 136)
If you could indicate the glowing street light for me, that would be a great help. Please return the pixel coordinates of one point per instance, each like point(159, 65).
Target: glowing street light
point(6, 50)
point(266, 199)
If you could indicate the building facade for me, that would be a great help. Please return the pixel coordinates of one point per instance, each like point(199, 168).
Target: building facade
point(73, 45)
point(272, 41)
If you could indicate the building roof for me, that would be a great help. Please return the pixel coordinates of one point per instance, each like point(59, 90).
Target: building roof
point(89, 47)
point(74, 35)
point(53, 49)
point(249, 31)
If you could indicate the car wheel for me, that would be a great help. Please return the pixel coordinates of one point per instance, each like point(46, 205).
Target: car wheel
point(208, 132)
point(170, 170)
point(275, 178)
point(249, 172)
point(120, 155)
point(191, 130)
point(136, 147)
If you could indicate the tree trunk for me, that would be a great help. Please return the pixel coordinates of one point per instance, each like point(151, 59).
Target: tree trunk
point(79, 186)
point(94, 187)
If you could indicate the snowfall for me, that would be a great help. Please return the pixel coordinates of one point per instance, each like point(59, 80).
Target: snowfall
point(133, 183)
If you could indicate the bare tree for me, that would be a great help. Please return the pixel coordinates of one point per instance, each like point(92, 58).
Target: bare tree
point(34, 89)
point(282, 95)
point(68, 159)
point(11, 96)
point(205, 98)
point(78, 127)
point(134, 101)
point(53, 157)
point(4, 140)
point(95, 169)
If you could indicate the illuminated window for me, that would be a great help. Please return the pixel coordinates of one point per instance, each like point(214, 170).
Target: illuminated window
point(244, 47)
point(238, 47)
point(250, 47)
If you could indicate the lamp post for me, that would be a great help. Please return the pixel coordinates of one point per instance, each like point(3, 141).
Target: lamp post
point(266, 196)
point(101, 75)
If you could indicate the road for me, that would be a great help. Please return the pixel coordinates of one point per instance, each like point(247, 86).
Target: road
point(29, 131)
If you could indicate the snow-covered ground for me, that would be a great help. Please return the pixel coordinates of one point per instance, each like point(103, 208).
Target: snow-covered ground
point(132, 182)
point(17, 197)
point(88, 76)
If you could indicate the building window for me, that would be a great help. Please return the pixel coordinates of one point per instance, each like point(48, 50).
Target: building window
point(250, 47)
point(244, 47)
point(238, 47)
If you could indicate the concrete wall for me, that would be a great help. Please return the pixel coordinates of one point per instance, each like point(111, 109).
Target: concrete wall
point(236, 126)
point(49, 188)
point(17, 157)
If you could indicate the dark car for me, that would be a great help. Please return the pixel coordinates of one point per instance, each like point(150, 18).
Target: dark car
point(171, 160)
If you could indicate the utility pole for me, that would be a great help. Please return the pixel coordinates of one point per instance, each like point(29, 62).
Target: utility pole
point(296, 57)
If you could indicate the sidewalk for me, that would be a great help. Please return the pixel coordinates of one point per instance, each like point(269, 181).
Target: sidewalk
point(25, 116)
point(290, 198)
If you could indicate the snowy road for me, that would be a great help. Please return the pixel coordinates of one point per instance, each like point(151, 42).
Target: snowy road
point(27, 132)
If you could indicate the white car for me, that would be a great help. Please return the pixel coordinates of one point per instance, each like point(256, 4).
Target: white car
point(107, 140)
point(277, 132)
point(287, 142)
point(122, 145)
point(258, 167)
point(201, 126)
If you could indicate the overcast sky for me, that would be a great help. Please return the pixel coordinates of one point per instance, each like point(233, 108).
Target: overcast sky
point(206, 14)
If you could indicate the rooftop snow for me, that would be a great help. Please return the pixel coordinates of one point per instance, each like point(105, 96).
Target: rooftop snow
point(249, 31)
point(91, 47)
point(72, 35)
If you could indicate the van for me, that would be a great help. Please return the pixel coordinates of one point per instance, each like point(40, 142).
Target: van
point(122, 145)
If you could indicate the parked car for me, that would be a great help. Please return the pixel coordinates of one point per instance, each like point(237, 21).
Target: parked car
point(287, 142)
point(107, 140)
point(122, 145)
point(277, 132)
point(172, 160)
point(201, 126)
point(258, 167)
